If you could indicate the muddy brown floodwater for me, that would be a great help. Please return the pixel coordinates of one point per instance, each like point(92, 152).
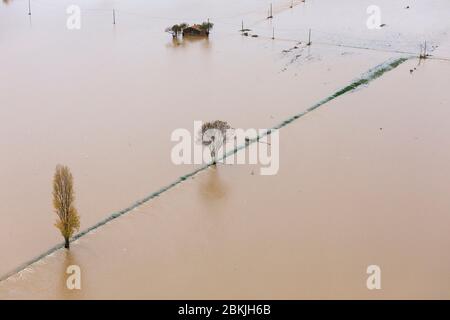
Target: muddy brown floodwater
point(362, 180)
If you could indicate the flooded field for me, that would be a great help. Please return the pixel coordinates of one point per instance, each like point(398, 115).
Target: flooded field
point(362, 179)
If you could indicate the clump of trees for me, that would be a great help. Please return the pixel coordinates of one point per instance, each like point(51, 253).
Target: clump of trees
point(206, 26)
point(214, 135)
point(176, 29)
point(68, 221)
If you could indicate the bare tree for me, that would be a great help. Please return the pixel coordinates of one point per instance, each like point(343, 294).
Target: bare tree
point(214, 135)
point(63, 201)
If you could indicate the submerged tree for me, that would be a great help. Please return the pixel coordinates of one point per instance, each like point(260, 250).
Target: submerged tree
point(63, 201)
point(176, 29)
point(206, 26)
point(214, 135)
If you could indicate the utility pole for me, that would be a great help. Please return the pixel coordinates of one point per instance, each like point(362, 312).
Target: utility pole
point(423, 50)
point(270, 12)
point(29, 7)
point(114, 16)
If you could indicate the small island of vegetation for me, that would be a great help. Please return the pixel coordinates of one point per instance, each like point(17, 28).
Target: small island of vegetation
point(185, 29)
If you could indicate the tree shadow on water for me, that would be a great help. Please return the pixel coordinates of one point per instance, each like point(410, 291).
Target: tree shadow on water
point(213, 190)
point(69, 258)
point(184, 42)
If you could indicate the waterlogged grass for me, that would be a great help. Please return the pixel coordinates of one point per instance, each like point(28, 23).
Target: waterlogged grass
point(365, 79)
point(371, 75)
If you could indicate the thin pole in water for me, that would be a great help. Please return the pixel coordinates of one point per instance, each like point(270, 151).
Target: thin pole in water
point(29, 7)
point(423, 50)
point(273, 33)
point(270, 15)
point(309, 38)
point(114, 16)
point(242, 29)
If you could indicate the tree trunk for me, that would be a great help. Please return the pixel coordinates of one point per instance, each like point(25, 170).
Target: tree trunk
point(67, 243)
